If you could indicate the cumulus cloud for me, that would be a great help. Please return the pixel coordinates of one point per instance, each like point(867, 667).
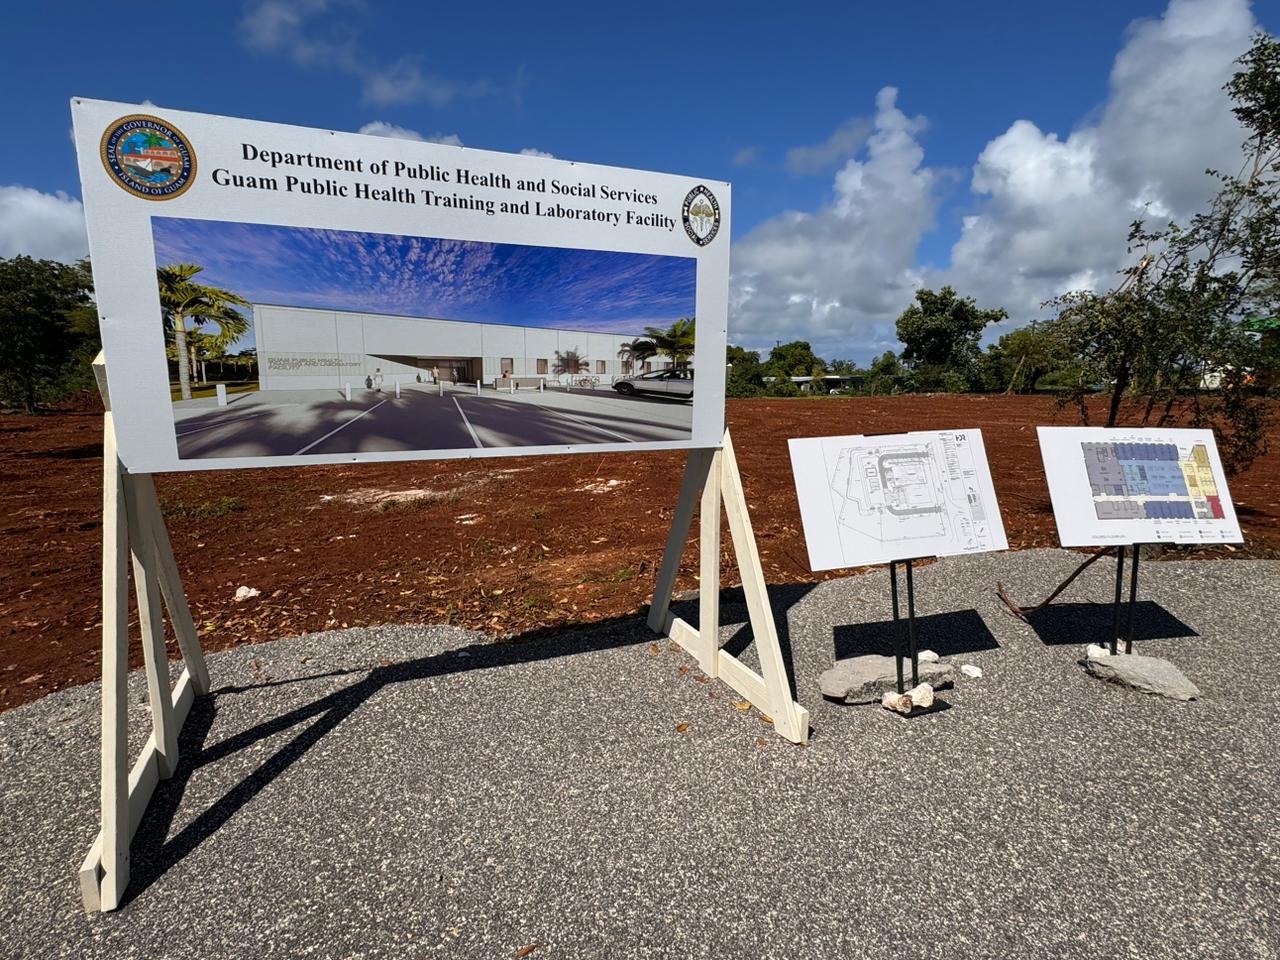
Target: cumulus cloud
point(847, 268)
point(1050, 212)
point(310, 33)
point(746, 157)
point(1054, 212)
point(47, 226)
point(380, 128)
point(535, 152)
point(846, 140)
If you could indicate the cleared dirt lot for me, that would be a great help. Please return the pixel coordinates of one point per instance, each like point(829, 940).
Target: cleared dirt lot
point(500, 545)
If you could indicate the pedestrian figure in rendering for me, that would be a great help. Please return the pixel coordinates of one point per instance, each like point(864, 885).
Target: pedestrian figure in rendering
point(377, 379)
point(368, 382)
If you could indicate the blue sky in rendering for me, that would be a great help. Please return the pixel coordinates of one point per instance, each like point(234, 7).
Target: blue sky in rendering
point(1002, 147)
point(428, 277)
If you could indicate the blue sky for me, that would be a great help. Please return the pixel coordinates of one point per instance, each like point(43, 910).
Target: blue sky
point(1000, 146)
point(427, 277)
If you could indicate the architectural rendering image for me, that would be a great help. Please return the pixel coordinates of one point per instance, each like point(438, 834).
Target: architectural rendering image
point(353, 342)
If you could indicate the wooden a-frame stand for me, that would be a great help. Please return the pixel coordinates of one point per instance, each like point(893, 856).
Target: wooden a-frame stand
point(133, 531)
point(714, 474)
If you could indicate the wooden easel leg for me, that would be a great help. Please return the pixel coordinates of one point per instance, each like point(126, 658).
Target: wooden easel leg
point(147, 588)
point(115, 678)
point(709, 573)
point(175, 597)
point(790, 719)
point(695, 474)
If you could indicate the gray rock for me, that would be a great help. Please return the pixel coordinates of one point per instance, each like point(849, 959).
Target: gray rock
point(1144, 674)
point(867, 678)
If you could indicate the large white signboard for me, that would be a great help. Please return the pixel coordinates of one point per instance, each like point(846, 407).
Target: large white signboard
point(349, 292)
point(875, 499)
point(1133, 485)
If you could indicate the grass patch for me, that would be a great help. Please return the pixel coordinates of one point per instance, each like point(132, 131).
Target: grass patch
point(209, 509)
point(211, 389)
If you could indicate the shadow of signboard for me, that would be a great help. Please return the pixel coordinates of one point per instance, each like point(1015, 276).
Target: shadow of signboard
point(1081, 623)
point(947, 634)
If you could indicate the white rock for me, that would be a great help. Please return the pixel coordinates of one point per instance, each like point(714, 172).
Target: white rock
point(928, 656)
point(246, 593)
point(921, 696)
point(1093, 651)
point(970, 671)
point(900, 702)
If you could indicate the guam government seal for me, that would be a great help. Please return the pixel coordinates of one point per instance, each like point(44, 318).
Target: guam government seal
point(148, 157)
point(701, 215)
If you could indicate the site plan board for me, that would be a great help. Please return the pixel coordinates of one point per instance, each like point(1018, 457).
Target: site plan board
point(1132, 485)
point(873, 499)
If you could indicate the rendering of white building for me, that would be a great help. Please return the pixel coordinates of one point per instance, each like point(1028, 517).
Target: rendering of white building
point(301, 348)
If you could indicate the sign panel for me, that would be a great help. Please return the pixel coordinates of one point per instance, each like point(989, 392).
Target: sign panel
point(273, 295)
point(867, 500)
point(1132, 485)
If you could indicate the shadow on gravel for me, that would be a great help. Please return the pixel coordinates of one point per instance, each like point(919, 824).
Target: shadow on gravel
point(1081, 623)
point(947, 634)
point(733, 610)
point(156, 851)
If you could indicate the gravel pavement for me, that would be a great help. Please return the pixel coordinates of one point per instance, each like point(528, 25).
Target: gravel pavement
point(415, 791)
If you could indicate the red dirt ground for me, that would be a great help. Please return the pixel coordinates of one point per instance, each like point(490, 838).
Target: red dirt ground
point(505, 546)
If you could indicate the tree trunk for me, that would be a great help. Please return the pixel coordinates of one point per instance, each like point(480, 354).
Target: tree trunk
point(180, 348)
point(1117, 394)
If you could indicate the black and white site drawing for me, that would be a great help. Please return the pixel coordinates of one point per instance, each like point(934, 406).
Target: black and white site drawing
point(895, 497)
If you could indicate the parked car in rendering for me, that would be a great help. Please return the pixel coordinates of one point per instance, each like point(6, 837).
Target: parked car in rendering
point(676, 383)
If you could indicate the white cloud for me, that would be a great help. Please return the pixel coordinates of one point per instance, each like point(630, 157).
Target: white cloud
point(846, 270)
point(1055, 212)
point(846, 140)
point(1050, 214)
point(746, 157)
point(535, 152)
point(380, 128)
point(47, 226)
point(299, 30)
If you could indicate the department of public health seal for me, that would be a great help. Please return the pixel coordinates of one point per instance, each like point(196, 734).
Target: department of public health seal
point(148, 157)
point(701, 215)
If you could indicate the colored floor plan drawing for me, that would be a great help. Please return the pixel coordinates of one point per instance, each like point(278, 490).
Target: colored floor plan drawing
point(1151, 481)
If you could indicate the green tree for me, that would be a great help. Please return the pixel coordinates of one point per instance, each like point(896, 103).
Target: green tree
point(746, 378)
point(1173, 336)
point(676, 341)
point(48, 331)
point(1021, 357)
point(940, 334)
point(794, 359)
point(183, 300)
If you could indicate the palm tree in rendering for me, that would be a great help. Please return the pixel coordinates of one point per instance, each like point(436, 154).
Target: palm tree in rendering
point(675, 342)
point(183, 300)
point(634, 353)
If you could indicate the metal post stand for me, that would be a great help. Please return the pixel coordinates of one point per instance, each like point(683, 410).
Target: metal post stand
point(1133, 600)
point(912, 645)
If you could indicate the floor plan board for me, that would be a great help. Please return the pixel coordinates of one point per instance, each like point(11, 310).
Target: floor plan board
point(1137, 486)
point(876, 499)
